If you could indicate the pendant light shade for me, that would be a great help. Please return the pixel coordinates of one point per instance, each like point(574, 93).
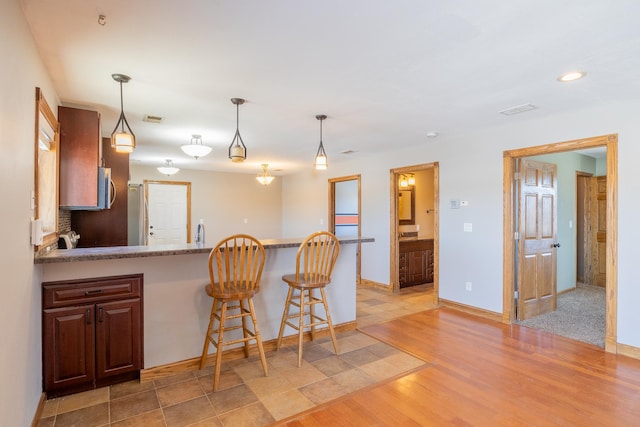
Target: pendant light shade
point(403, 181)
point(237, 149)
point(264, 177)
point(320, 162)
point(195, 148)
point(122, 139)
point(412, 179)
point(168, 168)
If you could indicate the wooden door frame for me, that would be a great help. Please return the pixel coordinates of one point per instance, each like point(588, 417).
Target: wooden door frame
point(584, 222)
point(146, 183)
point(611, 143)
point(332, 215)
point(394, 175)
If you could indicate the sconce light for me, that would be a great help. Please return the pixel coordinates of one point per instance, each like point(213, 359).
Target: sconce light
point(237, 149)
point(264, 177)
point(195, 148)
point(320, 162)
point(412, 179)
point(124, 141)
point(403, 181)
point(168, 168)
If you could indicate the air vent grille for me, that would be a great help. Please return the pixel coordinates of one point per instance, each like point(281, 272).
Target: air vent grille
point(152, 119)
point(518, 109)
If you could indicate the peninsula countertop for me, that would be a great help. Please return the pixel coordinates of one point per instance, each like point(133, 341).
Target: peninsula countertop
point(125, 252)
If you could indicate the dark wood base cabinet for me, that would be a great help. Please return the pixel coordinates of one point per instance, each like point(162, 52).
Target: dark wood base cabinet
point(415, 262)
point(92, 333)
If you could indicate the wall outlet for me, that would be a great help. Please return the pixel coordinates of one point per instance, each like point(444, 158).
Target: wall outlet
point(467, 286)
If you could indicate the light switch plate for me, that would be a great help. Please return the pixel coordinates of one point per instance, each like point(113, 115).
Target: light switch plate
point(468, 227)
point(454, 204)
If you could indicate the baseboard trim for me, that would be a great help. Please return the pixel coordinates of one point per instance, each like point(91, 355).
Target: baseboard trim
point(234, 353)
point(481, 312)
point(628, 350)
point(39, 410)
point(373, 284)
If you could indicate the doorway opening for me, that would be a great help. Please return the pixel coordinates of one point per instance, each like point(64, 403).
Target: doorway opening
point(414, 227)
point(344, 211)
point(169, 212)
point(511, 268)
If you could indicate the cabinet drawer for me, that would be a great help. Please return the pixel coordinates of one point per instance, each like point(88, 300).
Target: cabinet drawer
point(83, 291)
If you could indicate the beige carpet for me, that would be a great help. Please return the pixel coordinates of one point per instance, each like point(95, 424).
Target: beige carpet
point(580, 316)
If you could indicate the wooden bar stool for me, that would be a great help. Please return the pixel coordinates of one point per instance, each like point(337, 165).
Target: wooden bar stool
point(314, 263)
point(235, 268)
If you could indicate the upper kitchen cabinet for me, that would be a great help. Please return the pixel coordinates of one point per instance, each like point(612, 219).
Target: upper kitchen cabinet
point(84, 184)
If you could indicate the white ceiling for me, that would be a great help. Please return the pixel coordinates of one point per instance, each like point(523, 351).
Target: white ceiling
point(384, 72)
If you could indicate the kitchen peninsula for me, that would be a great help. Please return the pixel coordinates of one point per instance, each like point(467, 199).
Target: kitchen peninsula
point(176, 308)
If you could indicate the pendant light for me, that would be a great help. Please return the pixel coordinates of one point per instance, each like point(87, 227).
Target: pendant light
point(412, 179)
point(403, 181)
point(124, 141)
point(195, 148)
point(320, 162)
point(168, 168)
point(264, 177)
point(237, 149)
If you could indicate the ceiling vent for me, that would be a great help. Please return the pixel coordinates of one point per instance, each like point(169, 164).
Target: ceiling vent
point(517, 110)
point(152, 119)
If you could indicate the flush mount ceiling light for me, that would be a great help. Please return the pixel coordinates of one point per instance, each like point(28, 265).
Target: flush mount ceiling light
point(320, 162)
point(571, 76)
point(195, 148)
point(124, 141)
point(264, 177)
point(237, 149)
point(168, 168)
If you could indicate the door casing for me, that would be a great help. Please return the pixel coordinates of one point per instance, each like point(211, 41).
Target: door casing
point(394, 175)
point(611, 143)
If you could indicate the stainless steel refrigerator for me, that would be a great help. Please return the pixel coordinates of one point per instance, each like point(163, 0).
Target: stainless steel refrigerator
point(136, 216)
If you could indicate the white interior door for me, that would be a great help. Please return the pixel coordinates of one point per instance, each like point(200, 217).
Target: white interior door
point(168, 213)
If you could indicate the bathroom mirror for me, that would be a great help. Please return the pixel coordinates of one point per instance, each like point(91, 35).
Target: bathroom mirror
point(407, 206)
point(47, 132)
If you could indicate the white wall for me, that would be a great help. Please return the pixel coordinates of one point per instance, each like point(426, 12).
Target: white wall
point(20, 357)
point(471, 169)
point(225, 200)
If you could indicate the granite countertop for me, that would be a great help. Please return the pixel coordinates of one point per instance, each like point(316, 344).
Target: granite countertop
point(125, 252)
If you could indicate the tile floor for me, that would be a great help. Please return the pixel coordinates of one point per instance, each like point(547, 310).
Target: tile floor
point(246, 397)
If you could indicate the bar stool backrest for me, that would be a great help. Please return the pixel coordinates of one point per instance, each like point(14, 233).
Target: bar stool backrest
point(316, 257)
point(235, 264)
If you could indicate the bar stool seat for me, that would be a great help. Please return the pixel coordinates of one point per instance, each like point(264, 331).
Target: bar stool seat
point(235, 269)
point(315, 259)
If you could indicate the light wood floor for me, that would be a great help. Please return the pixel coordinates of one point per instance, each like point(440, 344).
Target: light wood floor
point(484, 373)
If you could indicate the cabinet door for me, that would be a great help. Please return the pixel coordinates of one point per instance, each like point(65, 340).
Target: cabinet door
point(118, 338)
point(417, 266)
point(403, 270)
point(80, 157)
point(68, 346)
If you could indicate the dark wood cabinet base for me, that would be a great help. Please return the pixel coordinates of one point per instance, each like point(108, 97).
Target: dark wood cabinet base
point(92, 333)
point(415, 265)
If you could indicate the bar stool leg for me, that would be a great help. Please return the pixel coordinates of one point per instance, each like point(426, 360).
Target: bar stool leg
point(285, 314)
point(312, 315)
point(207, 338)
point(256, 331)
point(223, 318)
point(329, 322)
point(243, 310)
point(300, 327)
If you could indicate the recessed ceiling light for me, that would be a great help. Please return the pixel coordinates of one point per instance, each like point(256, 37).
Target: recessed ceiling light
point(571, 76)
point(432, 134)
